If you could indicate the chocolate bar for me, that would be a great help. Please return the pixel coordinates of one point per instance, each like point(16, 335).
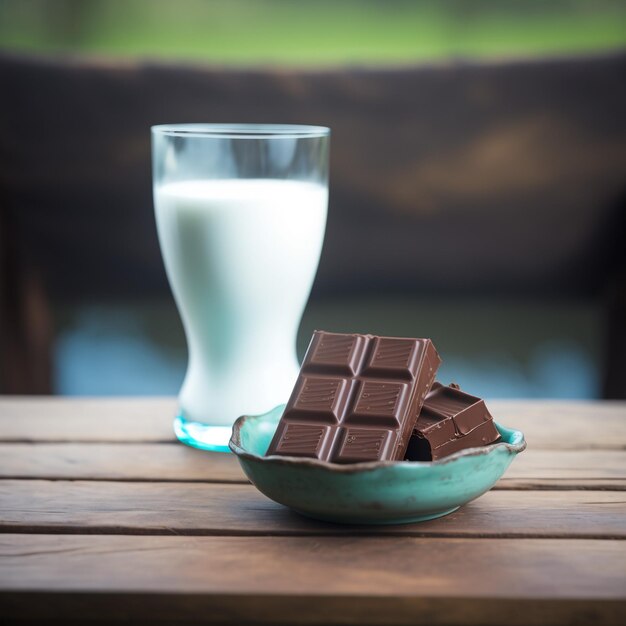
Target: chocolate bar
point(356, 399)
point(450, 420)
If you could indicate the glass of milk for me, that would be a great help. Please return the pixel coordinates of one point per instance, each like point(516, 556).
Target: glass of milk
point(241, 213)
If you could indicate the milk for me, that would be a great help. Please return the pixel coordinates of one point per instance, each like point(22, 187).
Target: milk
point(241, 256)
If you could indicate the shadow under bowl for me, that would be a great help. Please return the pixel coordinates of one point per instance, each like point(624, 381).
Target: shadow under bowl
point(383, 492)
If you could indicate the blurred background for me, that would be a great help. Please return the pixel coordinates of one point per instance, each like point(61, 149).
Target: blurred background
point(478, 179)
point(295, 32)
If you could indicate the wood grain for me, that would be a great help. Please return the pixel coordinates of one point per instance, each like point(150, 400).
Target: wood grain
point(550, 424)
point(565, 425)
point(36, 506)
point(165, 462)
point(154, 462)
point(409, 580)
point(178, 609)
point(136, 527)
point(53, 418)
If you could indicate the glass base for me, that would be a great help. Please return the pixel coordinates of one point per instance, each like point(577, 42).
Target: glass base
point(197, 435)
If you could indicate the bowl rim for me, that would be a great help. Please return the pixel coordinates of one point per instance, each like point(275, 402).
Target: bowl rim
point(234, 444)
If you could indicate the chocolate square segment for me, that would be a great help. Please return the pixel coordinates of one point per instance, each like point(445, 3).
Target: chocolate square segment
point(397, 358)
point(302, 440)
point(318, 399)
point(334, 353)
point(364, 444)
point(379, 402)
point(357, 398)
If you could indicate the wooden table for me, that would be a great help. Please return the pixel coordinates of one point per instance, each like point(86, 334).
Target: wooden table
point(105, 517)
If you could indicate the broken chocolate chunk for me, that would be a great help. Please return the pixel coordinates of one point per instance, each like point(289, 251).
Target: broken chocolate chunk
point(450, 420)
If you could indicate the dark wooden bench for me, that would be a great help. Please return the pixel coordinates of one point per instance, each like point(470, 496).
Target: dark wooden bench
point(503, 178)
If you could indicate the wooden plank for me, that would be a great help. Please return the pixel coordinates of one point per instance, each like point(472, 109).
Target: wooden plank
point(108, 461)
point(546, 424)
point(165, 462)
point(213, 509)
point(51, 418)
point(412, 580)
point(569, 465)
point(563, 425)
point(178, 609)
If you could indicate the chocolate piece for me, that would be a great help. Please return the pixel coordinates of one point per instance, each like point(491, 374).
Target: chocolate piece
point(450, 420)
point(357, 398)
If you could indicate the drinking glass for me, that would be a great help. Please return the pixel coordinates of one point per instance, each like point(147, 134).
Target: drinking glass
point(241, 213)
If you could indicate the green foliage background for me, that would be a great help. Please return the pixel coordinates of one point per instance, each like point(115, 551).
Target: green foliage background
point(312, 31)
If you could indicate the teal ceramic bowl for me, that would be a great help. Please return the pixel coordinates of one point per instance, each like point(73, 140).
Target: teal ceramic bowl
point(389, 492)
